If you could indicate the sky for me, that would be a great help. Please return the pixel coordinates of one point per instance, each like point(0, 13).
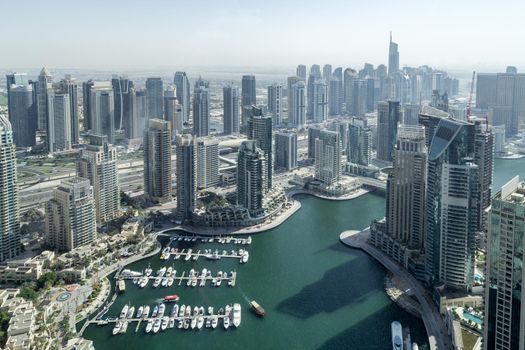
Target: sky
point(171, 34)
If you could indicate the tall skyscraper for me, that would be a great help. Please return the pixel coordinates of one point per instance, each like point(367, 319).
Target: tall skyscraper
point(252, 179)
point(359, 143)
point(99, 164)
point(231, 110)
point(69, 86)
point(313, 134)
point(22, 115)
point(43, 86)
point(300, 72)
point(207, 163)
point(328, 157)
point(15, 79)
point(297, 105)
point(327, 72)
point(320, 100)
point(186, 176)
point(260, 130)
point(155, 97)
point(182, 85)
point(173, 111)
point(286, 150)
point(348, 86)
point(122, 88)
point(70, 215)
point(335, 97)
point(275, 103)
point(248, 96)
point(411, 114)
point(10, 245)
point(59, 122)
point(503, 321)
point(388, 116)
point(201, 109)
point(157, 160)
point(102, 109)
point(134, 127)
point(359, 97)
point(393, 57)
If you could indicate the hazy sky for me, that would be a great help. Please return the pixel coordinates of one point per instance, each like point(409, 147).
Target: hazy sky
point(138, 34)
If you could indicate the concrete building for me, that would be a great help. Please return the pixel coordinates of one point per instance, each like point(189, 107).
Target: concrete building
point(248, 97)
point(69, 86)
point(122, 88)
point(275, 103)
point(70, 215)
point(173, 111)
point(59, 122)
point(260, 130)
point(155, 97)
point(328, 157)
point(231, 110)
point(182, 85)
point(388, 117)
point(504, 310)
point(186, 175)
point(157, 160)
point(286, 150)
point(297, 105)
point(359, 97)
point(327, 72)
point(99, 164)
point(359, 143)
point(22, 115)
point(134, 127)
point(320, 101)
point(300, 72)
point(335, 97)
point(201, 109)
point(9, 202)
point(252, 177)
point(393, 57)
point(313, 134)
point(87, 87)
point(411, 114)
point(207, 163)
point(43, 86)
point(102, 111)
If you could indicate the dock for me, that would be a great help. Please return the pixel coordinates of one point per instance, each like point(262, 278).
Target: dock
point(209, 239)
point(187, 277)
point(186, 255)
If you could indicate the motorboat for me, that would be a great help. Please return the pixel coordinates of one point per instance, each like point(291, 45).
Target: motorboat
point(188, 255)
point(201, 311)
point(196, 256)
point(249, 240)
point(149, 325)
point(140, 311)
point(169, 271)
point(245, 257)
point(118, 326)
point(226, 322)
point(143, 282)
point(124, 327)
point(187, 323)
point(155, 311)
point(124, 311)
point(236, 314)
point(188, 311)
point(397, 336)
point(170, 282)
point(157, 282)
point(259, 311)
point(130, 273)
point(130, 313)
point(175, 310)
point(180, 324)
point(214, 321)
point(172, 323)
point(210, 310)
point(195, 310)
point(219, 281)
point(145, 314)
point(182, 310)
point(156, 325)
point(200, 322)
point(208, 322)
point(171, 297)
point(193, 322)
point(162, 309)
point(214, 281)
point(161, 272)
point(194, 282)
point(164, 324)
point(164, 282)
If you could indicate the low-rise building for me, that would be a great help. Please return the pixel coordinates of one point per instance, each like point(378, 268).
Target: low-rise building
point(20, 271)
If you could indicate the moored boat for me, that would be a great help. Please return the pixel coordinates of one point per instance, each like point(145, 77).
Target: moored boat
point(236, 315)
point(397, 336)
point(124, 311)
point(149, 325)
point(257, 308)
point(170, 298)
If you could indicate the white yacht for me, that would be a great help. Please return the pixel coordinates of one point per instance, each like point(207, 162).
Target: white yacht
point(397, 336)
point(194, 322)
point(145, 314)
point(124, 311)
point(169, 271)
point(164, 282)
point(161, 272)
point(148, 271)
point(118, 326)
point(175, 310)
point(200, 322)
point(149, 325)
point(130, 313)
point(226, 322)
point(236, 314)
point(170, 281)
point(162, 309)
point(140, 311)
point(172, 323)
point(182, 310)
point(164, 324)
point(214, 321)
point(157, 282)
point(156, 325)
point(188, 255)
point(155, 311)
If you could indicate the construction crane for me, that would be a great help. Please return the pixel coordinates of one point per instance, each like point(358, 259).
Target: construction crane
point(469, 106)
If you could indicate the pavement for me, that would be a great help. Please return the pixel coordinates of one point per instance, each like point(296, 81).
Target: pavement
point(435, 326)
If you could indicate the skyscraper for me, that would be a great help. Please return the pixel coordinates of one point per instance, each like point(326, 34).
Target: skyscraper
point(327, 72)
point(348, 86)
point(134, 127)
point(410, 114)
point(22, 115)
point(186, 176)
point(207, 163)
point(42, 87)
point(286, 150)
point(102, 108)
point(157, 160)
point(70, 86)
point(122, 88)
point(388, 116)
point(335, 97)
point(10, 245)
point(182, 85)
point(231, 110)
point(155, 97)
point(70, 215)
point(328, 157)
point(359, 97)
point(260, 130)
point(201, 109)
point(320, 100)
point(275, 103)
point(173, 111)
point(15, 79)
point(252, 182)
point(300, 72)
point(248, 96)
point(313, 134)
point(393, 57)
point(359, 143)
point(504, 308)
point(297, 105)
point(59, 122)
point(98, 163)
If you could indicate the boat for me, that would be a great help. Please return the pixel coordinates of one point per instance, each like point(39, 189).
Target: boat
point(236, 314)
point(130, 313)
point(170, 298)
point(193, 322)
point(170, 281)
point(397, 336)
point(143, 282)
point(175, 310)
point(188, 311)
point(164, 324)
point(221, 311)
point(155, 311)
point(182, 310)
point(187, 323)
point(149, 325)
point(200, 322)
point(157, 282)
point(226, 322)
point(188, 255)
point(195, 311)
point(219, 281)
point(161, 272)
point(245, 257)
point(194, 282)
point(196, 256)
point(214, 321)
point(162, 309)
point(214, 256)
point(172, 323)
point(414, 346)
point(169, 271)
point(124, 311)
point(116, 329)
point(164, 282)
point(121, 286)
point(140, 311)
point(210, 310)
point(210, 240)
point(130, 273)
point(148, 271)
point(249, 240)
point(208, 322)
point(214, 281)
point(156, 325)
point(180, 324)
point(257, 308)
point(145, 314)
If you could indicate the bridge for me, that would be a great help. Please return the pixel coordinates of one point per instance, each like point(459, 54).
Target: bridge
point(371, 182)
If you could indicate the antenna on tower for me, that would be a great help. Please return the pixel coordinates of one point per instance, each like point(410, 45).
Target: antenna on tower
point(390, 36)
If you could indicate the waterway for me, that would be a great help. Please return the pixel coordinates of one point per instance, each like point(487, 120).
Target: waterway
point(318, 293)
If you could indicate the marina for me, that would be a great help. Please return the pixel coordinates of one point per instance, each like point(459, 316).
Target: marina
point(210, 254)
point(211, 239)
point(167, 277)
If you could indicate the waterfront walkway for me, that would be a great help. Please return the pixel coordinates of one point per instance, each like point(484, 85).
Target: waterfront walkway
point(437, 333)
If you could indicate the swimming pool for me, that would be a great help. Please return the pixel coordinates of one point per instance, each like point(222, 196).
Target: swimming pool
point(473, 318)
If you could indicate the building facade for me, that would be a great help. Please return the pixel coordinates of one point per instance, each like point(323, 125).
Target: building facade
point(286, 150)
point(252, 179)
point(157, 160)
point(186, 149)
point(231, 110)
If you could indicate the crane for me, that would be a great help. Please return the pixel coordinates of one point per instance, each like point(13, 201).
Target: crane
point(469, 106)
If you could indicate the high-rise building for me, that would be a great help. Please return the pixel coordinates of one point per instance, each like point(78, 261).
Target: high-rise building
point(320, 100)
point(335, 97)
point(102, 111)
point(359, 143)
point(349, 75)
point(275, 103)
point(69, 86)
point(157, 160)
point(248, 97)
point(87, 87)
point(439, 101)
point(411, 114)
point(388, 116)
point(42, 87)
point(327, 72)
point(22, 115)
point(328, 157)
point(122, 87)
point(504, 308)
point(286, 150)
point(134, 127)
point(300, 72)
point(252, 179)
point(231, 110)
point(10, 245)
point(99, 164)
point(155, 97)
point(182, 85)
point(173, 111)
point(59, 122)
point(15, 79)
point(393, 57)
point(70, 215)
point(201, 109)
point(359, 97)
point(297, 105)
point(313, 134)
point(260, 130)
point(207, 163)
point(186, 176)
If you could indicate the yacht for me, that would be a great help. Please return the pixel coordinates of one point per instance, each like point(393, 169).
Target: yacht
point(249, 240)
point(188, 311)
point(170, 282)
point(200, 322)
point(194, 322)
point(172, 323)
point(201, 311)
point(182, 310)
point(116, 329)
point(208, 322)
point(195, 311)
point(162, 309)
point(210, 310)
point(214, 281)
point(140, 311)
point(164, 282)
point(175, 310)
point(130, 313)
point(164, 324)
point(397, 336)
point(148, 271)
point(161, 272)
point(218, 284)
point(156, 325)
point(130, 273)
point(180, 324)
point(226, 322)
point(169, 271)
point(214, 321)
point(124, 327)
point(145, 314)
point(149, 326)
point(157, 281)
point(236, 314)
point(124, 311)
point(188, 255)
point(155, 311)
point(187, 323)
point(177, 256)
point(194, 282)
point(245, 257)
point(196, 256)
point(143, 282)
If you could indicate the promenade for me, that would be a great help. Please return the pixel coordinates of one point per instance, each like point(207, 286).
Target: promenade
point(435, 326)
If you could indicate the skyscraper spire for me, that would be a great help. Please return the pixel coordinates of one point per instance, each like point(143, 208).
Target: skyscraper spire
point(390, 36)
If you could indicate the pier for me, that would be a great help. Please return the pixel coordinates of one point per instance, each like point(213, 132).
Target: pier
point(229, 277)
point(190, 255)
point(208, 239)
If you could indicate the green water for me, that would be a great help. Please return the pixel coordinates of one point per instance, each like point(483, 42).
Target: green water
point(318, 293)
